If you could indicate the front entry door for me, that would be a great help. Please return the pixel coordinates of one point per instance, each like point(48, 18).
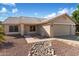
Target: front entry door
point(32, 29)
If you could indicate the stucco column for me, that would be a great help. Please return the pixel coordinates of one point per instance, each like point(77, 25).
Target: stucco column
point(22, 29)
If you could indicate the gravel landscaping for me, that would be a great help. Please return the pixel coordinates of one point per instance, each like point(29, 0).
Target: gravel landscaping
point(63, 49)
point(15, 46)
point(18, 46)
point(42, 48)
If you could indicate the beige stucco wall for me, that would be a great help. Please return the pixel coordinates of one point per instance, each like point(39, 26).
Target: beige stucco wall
point(45, 30)
point(39, 29)
point(73, 29)
point(26, 29)
point(63, 20)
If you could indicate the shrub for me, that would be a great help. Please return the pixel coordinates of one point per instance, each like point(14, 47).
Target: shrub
point(1, 35)
point(1, 38)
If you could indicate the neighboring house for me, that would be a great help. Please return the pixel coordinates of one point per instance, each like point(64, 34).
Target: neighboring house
point(56, 26)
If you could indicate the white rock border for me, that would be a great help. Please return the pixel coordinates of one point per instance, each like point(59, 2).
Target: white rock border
point(41, 48)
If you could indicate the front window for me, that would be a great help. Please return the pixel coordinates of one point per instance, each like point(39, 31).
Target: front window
point(13, 28)
point(32, 28)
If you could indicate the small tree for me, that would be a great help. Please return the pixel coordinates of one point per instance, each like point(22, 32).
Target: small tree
point(1, 35)
point(75, 14)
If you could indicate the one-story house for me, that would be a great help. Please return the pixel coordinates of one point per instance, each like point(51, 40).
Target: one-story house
point(55, 26)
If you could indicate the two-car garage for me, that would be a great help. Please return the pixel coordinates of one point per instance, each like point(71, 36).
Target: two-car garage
point(62, 25)
point(59, 29)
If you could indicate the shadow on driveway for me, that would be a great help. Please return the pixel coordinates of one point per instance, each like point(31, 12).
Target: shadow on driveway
point(7, 45)
point(69, 37)
point(16, 36)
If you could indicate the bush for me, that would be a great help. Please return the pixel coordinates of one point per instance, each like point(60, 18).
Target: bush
point(1, 38)
point(1, 35)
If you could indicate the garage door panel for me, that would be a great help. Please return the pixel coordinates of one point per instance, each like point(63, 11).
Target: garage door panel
point(61, 30)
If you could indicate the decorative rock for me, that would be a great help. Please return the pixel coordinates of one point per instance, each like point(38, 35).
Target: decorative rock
point(42, 48)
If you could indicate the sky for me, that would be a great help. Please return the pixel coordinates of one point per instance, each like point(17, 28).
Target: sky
point(40, 10)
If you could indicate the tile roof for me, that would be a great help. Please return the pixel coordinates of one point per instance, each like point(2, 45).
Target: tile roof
point(31, 20)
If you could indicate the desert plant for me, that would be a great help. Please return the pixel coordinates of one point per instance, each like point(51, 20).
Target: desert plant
point(1, 38)
point(1, 35)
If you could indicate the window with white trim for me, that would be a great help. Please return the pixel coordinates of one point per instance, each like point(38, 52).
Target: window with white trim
point(13, 28)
